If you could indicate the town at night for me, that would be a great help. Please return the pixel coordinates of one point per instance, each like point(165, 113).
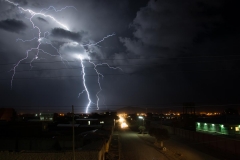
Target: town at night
point(119, 80)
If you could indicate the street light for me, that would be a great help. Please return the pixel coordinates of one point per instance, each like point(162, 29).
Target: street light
point(141, 117)
point(143, 127)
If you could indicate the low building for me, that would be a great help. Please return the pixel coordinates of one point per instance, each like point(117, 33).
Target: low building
point(228, 125)
point(228, 129)
point(90, 122)
point(47, 116)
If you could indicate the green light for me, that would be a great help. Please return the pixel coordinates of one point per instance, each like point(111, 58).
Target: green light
point(205, 124)
point(221, 125)
point(212, 124)
point(198, 123)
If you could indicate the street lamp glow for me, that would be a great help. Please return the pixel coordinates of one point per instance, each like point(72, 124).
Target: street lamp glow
point(124, 125)
point(141, 117)
point(121, 120)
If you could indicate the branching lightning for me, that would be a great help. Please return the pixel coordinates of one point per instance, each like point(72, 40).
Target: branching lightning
point(44, 39)
point(81, 93)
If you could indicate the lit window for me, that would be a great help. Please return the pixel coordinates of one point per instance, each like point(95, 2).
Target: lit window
point(236, 128)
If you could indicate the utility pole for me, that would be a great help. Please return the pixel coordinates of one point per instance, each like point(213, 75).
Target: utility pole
point(73, 133)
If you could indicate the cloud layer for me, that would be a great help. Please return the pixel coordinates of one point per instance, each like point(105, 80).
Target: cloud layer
point(65, 34)
point(169, 28)
point(13, 25)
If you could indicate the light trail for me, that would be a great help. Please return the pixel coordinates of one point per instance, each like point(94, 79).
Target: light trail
point(45, 40)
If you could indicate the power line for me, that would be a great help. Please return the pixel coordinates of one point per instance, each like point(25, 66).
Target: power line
point(128, 65)
point(116, 107)
point(186, 57)
point(103, 65)
point(125, 74)
point(143, 106)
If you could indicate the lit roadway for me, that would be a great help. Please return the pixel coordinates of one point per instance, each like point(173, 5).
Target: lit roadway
point(134, 146)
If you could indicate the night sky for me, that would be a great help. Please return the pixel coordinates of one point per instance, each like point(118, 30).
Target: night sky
point(170, 52)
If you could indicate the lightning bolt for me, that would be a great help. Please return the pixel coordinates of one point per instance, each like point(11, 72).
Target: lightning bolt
point(85, 86)
point(80, 93)
point(39, 39)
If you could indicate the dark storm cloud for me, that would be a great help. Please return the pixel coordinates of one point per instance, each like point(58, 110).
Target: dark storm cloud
point(42, 19)
point(170, 28)
point(62, 33)
point(172, 24)
point(13, 25)
point(187, 29)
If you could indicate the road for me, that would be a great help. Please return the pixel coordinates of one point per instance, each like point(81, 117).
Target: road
point(132, 147)
point(135, 146)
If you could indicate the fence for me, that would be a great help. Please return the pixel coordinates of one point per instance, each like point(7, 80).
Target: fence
point(216, 142)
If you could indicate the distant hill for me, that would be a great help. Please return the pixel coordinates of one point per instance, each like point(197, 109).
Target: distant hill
point(130, 110)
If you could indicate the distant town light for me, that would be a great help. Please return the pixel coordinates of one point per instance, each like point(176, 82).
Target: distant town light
point(140, 117)
point(205, 124)
point(36, 115)
point(198, 123)
point(212, 124)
